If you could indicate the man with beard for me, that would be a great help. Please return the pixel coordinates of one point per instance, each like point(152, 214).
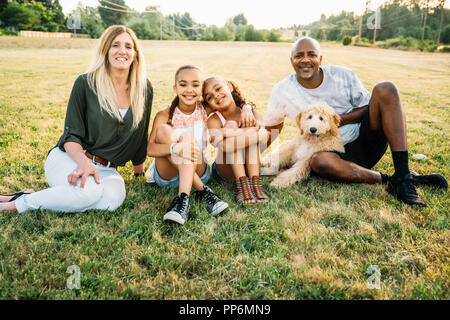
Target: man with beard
point(369, 123)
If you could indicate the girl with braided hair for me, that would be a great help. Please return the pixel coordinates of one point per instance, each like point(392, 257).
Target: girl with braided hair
point(178, 144)
point(237, 144)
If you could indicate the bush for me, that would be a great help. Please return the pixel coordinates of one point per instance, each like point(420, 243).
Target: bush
point(274, 36)
point(20, 16)
point(395, 42)
point(408, 43)
point(428, 45)
point(251, 34)
point(194, 37)
point(142, 29)
point(363, 42)
point(445, 35)
point(444, 49)
point(52, 26)
point(347, 40)
point(4, 32)
point(411, 42)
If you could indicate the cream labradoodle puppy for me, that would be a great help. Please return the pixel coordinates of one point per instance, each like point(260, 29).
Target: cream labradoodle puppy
point(318, 131)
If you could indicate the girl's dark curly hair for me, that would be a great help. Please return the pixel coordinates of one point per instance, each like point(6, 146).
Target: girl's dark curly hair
point(176, 100)
point(237, 95)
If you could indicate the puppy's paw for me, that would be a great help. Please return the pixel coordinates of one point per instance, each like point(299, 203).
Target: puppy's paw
point(266, 161)
point(275, 184)
point(282, 182)
point(269, 171)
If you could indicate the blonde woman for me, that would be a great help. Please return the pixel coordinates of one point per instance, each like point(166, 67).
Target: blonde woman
point(106, 126)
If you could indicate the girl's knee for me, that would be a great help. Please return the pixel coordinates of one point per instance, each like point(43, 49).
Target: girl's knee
point(187, 137)
point(165, 133)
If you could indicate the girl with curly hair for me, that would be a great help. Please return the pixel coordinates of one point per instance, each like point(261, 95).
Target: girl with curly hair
point(238, 146)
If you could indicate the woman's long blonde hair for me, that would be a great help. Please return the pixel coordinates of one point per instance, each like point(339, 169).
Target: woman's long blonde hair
point(100, 81)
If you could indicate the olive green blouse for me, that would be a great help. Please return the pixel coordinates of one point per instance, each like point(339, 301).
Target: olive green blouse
point(102, 134)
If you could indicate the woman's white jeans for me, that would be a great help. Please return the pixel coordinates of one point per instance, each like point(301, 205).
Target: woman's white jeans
point(64, 197)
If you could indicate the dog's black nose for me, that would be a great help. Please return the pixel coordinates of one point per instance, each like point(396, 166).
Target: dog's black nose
point(313, 130)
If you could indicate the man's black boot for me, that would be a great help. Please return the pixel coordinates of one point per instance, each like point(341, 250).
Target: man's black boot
point(404, 190)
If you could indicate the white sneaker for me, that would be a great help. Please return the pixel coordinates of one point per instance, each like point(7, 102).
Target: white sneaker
point(178, 211)
point(149, 174)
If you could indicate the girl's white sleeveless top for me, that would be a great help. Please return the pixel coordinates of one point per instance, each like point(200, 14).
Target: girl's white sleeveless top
point(194, 122)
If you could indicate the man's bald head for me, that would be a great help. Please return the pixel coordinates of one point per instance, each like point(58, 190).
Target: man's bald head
point(310, 41)
point(306, 60)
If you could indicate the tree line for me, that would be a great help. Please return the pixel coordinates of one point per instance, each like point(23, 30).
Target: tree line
point(422, 20)
point(46, 15)
point(39, 15)
point(400, 23)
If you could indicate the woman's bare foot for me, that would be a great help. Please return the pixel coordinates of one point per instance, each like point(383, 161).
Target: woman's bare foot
point(7, 206)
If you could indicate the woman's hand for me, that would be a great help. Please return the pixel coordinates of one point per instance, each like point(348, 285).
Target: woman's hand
point(83, 170)
point(139, 169)
point(85, 167)
point(247, 117)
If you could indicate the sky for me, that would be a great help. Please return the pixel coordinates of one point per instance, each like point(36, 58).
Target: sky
point(263, 14)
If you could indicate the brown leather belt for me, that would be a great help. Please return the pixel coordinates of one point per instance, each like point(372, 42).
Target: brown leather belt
point(98, 160)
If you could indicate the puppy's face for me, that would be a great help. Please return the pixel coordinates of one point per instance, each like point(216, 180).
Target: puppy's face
point(316, 121)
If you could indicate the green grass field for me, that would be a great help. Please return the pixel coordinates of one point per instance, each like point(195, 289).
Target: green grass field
point(313, 241)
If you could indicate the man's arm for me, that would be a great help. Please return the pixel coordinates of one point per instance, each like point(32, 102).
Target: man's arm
point(275, 113)
point(359, 99)
point(274, 131)
point(353, 117)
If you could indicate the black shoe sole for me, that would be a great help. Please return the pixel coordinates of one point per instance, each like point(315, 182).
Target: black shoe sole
point(418, 203)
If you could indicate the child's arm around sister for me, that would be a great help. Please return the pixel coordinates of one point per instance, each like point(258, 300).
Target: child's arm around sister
point(238, 157)
point(187, 150)
point(177, 142)
point(229, 136)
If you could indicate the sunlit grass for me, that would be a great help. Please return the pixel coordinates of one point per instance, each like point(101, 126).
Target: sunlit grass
point(313, 241)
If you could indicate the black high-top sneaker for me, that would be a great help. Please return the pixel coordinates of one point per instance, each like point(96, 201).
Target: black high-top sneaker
point(434, 180)
point(214, 205)
point(178, 211)
point(404, 190)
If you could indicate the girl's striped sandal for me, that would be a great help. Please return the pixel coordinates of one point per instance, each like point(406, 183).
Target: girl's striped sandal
point(243, 192)
point(258, 191)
